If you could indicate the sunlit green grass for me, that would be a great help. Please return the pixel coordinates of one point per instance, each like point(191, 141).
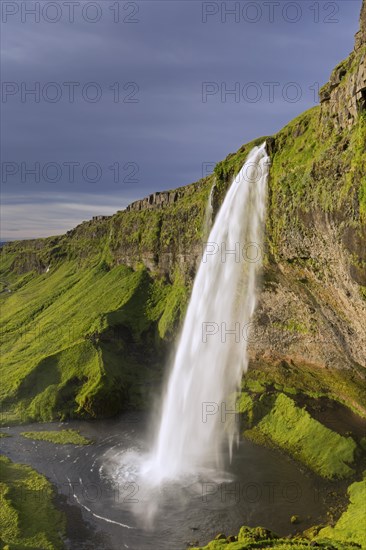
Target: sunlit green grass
point(60, 354)
point(293, 429)
point(63, 437)
point(28, 517)
point(249, 538)
point(351, 526)
point(339, 385)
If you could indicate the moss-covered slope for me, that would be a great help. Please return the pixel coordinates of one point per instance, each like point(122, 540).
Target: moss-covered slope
point(84, 341)
point(28, 517)
point(86, 316)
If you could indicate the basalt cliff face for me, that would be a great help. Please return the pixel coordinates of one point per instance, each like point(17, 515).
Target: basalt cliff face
point(314, 284)
point(88, 315)
point(344, 96)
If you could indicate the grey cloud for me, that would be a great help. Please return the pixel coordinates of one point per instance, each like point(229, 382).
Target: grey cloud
point(169, 133)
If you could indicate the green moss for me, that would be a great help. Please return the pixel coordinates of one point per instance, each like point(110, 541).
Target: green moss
point(253, 385)
point(343, 386)
point(66, 341)
point(294, 430)
point(154, 232)
point(315, 169)
point(63, 437)
point(244, 403)
point(292, 325)
point(245, 406)
point(258, 537)
point(28, 517)
point(351, 525)
point(3, 434)
point(176, 301)
point(359, 163)
point(227, 169)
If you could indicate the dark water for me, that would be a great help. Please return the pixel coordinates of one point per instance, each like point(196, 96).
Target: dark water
point(108, 507)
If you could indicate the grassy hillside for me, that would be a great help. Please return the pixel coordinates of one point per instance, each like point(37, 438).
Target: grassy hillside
point(87, 316)
point(28, 517)
point(351, 525)
point(293, 429)
point(83, 341)
point(314, 169)
point(85, 336)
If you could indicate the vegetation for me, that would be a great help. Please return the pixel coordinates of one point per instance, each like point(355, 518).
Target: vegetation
point(227, 169)
point(351, 525)
point(87, 318)
point(343, 386)
point(28, 517)
point(68, 337)
point(63, 437)
point(313, 168)
point(293, 429)
point(257, 537)
point(88, 337)
point(348, 533)
point(67, 333)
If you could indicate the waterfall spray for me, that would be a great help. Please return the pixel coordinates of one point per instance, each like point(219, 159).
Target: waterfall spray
point(211, 356)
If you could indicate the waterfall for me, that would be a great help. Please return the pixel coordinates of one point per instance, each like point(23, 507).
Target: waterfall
point(196, 416)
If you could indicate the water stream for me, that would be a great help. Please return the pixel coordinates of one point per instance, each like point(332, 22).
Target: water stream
point(211, 356)
point(180, 489)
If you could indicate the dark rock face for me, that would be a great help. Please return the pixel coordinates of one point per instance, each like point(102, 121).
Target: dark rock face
point(155, 200)
point(360, 38)
point(310, 309)
point(344, 96)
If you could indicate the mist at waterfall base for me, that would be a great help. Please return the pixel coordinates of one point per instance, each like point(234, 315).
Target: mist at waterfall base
point(195, 430)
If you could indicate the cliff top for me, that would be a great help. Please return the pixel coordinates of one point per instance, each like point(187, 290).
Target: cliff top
point(361, 34)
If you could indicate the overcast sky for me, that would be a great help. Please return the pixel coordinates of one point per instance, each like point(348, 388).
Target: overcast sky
point(134, 97)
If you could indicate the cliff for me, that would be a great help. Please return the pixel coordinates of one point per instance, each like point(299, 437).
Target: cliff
point(88, 316)
point(344, 96)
